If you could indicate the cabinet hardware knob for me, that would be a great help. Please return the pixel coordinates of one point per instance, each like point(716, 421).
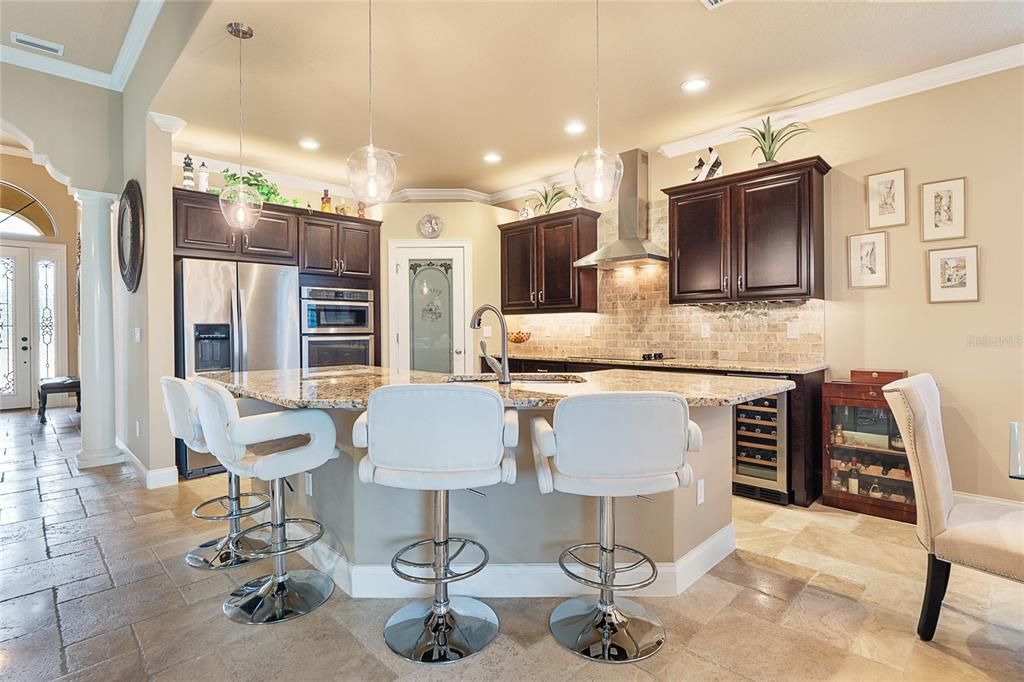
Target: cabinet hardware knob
point(873, 394)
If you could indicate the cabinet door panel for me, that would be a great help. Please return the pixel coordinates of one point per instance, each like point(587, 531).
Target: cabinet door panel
point(318, 246)
point(518, 259)
point(699, 247)
point(557, 278)
point(771, 229)
point(356, 251)
point(273, 238)
point(200, 226)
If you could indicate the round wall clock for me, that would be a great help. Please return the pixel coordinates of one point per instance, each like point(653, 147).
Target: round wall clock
point(431, 226)
point(130, 235)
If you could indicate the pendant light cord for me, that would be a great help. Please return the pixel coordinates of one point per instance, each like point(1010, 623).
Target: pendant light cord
point(369, 64)
point(240, 41)
point(597, 66)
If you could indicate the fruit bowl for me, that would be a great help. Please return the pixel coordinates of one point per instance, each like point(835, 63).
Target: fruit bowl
point(518, 337)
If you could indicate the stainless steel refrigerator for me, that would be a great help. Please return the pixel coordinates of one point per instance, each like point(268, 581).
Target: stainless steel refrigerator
point(232, 317)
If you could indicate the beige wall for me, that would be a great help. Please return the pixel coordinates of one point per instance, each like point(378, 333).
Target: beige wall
point(462, 220)
point(147, 155)
point(64, 209)
point(973, 129)
point(77, 126)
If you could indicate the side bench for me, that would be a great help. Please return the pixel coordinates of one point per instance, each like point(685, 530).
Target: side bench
point(58, 385)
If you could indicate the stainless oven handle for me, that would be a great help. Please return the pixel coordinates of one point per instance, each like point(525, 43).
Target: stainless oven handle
point(235, 360)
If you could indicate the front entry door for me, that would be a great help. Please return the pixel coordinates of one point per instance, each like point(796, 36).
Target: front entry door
point(429, 323)
point(15, 329)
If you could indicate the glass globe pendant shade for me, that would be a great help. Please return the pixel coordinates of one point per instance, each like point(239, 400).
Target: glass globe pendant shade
point(241, 206)
point(371, 174)
point(598, 173)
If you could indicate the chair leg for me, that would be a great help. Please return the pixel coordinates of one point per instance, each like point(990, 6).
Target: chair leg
point(217, 554)
point(42, 407)
point(282, 595)
point(78, 401)
point(602, 628)
point(934, 592)
point(443, 629)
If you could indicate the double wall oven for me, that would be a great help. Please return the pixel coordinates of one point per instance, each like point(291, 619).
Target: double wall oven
point(337, 327)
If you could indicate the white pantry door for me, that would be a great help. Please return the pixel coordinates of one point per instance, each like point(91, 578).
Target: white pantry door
point(15, 328)
point(428, 300)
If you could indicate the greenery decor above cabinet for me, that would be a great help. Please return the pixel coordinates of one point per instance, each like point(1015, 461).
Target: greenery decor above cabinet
point(751, 236)
point(537, 255)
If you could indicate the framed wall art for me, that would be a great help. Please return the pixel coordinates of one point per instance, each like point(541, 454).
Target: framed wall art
point(953, 275)
point(887, 199)
point(867, 257)
point(944, 210)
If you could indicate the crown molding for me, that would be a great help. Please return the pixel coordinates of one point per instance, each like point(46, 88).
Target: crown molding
point(440, 194)
point(519, 191)
point(143, 19)
point(940, 76)
point(290, 181)
point(15, 151)
point(167, 123)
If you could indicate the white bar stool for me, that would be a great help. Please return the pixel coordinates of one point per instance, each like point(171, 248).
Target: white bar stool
point(612, 445)
point(439, 438)
point(182, 413)
point(282, 595)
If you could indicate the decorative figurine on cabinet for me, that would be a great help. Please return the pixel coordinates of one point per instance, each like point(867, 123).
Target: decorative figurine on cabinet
point(203, 175)
point(187, 177)
point(361, 209)
point(325, 202)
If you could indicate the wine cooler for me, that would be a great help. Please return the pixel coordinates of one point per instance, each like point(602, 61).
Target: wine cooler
point(760, 444)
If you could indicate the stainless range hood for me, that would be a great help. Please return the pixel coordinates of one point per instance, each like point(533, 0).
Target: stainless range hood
point(631, 247)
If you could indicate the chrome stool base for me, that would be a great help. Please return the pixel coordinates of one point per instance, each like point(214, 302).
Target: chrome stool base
point(270, 600)
point(624, 633)
point(420, 634)
point(214, 555)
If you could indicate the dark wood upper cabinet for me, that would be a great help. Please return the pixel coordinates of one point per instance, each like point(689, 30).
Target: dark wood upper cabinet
point(752, 236)
point(537, 255)
point(342, 247)
point(699, 245)
point(357, 250)
point(199, 226)
point(518, 260)
point(273, 239)
point(318, 246)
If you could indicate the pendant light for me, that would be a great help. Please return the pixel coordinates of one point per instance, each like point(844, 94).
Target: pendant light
point(240, 204)
point(371, 170)
point(598, 171)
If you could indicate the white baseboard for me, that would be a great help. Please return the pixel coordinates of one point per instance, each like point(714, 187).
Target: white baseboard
point(971, 497)
point(154, 478)
point(514, 580)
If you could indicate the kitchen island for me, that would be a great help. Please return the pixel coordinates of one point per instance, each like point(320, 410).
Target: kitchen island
point(523, 530)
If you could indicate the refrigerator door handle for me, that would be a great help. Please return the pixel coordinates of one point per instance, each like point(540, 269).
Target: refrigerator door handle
point(236, 364)
point(244, 355)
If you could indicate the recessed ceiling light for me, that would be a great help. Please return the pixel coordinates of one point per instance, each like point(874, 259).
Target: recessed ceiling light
point(492, 157)
point(309, 143)
point(695, 84)
point(575, 127)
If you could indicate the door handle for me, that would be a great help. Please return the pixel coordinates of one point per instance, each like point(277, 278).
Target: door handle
point(739, 282)
point(236, 357)
point(232, 244)
point(533, 297)
point(245, 241)
point(334, 262)
point(541, 295)
point(244, 354)
point(725, 284)
point(342, 263)
point(458, 351)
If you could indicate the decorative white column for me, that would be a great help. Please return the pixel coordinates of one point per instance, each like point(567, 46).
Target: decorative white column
point(96, 345)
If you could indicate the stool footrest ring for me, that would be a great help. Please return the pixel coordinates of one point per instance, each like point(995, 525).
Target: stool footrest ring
point(224, 503)
point(289, 545)
point(450, 576)
point(642, 559)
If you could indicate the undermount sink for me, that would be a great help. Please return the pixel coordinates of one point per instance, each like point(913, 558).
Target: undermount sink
point(536, 378)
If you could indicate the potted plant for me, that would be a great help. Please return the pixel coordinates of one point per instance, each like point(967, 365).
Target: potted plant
point(268, 190)
point(548, 196)
point(770, 140)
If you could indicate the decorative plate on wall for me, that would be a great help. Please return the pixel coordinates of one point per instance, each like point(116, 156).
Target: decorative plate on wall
point(431, 226)
point(130, 235)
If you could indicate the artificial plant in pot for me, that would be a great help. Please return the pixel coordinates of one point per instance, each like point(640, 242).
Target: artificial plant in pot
point(770, 140)
point(549, 196)
point(258, 181)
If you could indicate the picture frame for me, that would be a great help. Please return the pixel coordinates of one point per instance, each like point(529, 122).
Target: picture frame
point(887, 198)
point(953, 275)
point(867, 260)
point(944, 210)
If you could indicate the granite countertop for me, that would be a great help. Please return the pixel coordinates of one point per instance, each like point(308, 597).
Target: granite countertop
point(678, 363)
point(349, 387)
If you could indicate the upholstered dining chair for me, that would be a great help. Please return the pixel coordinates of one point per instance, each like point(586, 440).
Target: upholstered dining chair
point(987, 536)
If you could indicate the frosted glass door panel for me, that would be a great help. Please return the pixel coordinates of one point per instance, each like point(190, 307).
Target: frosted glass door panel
point(430, 315)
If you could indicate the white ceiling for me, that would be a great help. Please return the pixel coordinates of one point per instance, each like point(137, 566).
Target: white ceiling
point(90, 30)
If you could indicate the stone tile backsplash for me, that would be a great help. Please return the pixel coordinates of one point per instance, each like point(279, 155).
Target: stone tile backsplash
point(634, 317)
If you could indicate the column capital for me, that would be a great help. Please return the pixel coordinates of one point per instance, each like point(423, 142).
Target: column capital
point(92, 196)
point(167, 123)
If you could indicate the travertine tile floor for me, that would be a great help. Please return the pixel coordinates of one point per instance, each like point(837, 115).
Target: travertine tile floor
point(93, 587)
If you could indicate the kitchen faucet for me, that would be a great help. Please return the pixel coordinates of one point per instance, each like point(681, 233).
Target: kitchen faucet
point(474, 323)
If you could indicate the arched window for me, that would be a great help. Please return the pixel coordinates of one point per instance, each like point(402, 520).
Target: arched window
point(21, 215)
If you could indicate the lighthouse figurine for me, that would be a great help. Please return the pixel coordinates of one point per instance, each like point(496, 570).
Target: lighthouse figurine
point(187, 177)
